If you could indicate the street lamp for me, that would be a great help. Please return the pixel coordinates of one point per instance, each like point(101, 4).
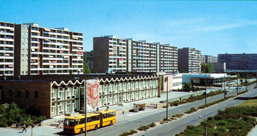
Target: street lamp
point(205, 90)
point(224, 86)
point(205, 125)
point(166, 80)
point(237, 85)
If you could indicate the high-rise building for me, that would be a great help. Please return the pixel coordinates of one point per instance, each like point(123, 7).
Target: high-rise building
point(189, 60)
point(89, 60)
point(209, 59)
point(43, 51)
point(112, 54)
point(6, 48)
point(239, 61)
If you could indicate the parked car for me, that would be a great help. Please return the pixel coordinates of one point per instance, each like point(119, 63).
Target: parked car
point(238, 87)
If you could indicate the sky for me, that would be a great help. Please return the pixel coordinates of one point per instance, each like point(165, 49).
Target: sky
point(214, 27)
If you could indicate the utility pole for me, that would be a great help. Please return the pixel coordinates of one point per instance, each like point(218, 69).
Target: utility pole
point(246, 81)
point(205, 90)
point(224, 86)
point(167, 103)
point(256, 77)
point(237, 84)
point(85, 105)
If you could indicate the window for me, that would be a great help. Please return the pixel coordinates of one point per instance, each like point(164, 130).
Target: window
point(18, 93)
point(36, 93)
point(10, 93)
point(93, 118)
point(27, 94)
point(82, 121)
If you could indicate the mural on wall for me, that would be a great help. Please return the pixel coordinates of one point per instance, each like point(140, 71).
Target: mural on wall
point(92, 94)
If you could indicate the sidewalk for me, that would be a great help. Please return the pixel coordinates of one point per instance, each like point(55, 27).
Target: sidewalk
point(253, 132)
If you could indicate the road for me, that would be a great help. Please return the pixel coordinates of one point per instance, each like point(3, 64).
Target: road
point(177, 126)
point(135, 120)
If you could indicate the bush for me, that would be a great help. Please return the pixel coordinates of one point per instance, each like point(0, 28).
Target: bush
point(133, 132)
point(152, 125)
point(190, 127)
point(222, 129)
point(192, 109)
point(143, 128)
point(124, 134)
point(232, 121)
point(210, 118)
point(12, 114)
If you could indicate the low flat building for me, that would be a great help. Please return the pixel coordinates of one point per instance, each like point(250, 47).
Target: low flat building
point(199, 79)
point(53, 95)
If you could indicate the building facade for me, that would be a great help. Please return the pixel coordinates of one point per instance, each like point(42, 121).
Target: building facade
point(6, 48)
point(89, 60)
point(209, 59)
point(54, 95)
point(112, 54)
point(174, 82)
point(43, 51)
point(200, 78)
point(239, 61)
point(189, 60)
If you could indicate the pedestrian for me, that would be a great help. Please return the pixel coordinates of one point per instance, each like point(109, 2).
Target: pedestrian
point(97, 108)
point(107, 108)
point(24, 127)
point(254, 123)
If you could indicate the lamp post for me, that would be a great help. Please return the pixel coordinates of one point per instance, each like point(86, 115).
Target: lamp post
point(166, 80)
point(205, 90)
point(246, 81)
point(224, 86)
point(237, 85)
point(85, 106)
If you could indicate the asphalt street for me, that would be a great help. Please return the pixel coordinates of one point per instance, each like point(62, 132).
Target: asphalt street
point(179, 125)
point(144, 118)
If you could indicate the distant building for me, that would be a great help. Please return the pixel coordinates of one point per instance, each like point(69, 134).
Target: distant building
point(112, 54)
point(209, 59)
point(239, 61)
point(6, 48)
point(89, 61)
point(189, 60)
point(219, 67)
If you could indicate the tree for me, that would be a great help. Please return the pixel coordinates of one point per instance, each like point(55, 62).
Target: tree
point(192, 83)
point(86, 68)
point(187, 86)
point(207, 68)
point(182, 71)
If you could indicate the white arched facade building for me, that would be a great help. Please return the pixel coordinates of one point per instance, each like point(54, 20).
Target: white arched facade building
point(67, 97)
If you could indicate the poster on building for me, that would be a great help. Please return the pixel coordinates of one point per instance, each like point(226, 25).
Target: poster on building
point(92, 87)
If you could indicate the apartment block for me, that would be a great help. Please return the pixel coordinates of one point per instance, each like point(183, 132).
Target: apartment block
point(209, 59)
point(112, 54)
point(43, 51)
point(239, 61)
point(189, 60)
point(89, 56)
point(6, 48)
